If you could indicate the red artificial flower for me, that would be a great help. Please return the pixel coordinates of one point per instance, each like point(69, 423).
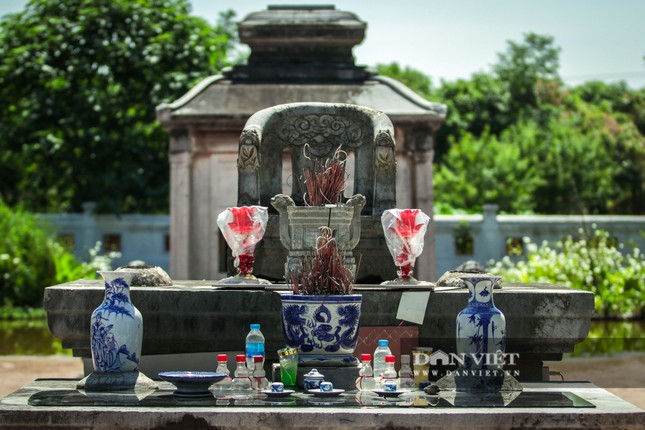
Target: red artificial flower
point(406, 225)
point(242, 220)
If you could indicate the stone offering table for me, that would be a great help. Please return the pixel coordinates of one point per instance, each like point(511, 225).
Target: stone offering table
point(608, 411)
point(193, 317)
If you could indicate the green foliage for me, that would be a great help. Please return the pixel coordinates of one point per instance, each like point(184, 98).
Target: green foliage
point(518, 139)
point(579, 161)
point(28, 337)
point(25, 313)
point(609, 337)
point(414, 79)
point(26, 264)
point(490, 170)
point(615, 98)
point(592, 263)
point(481, 104)
point(523, 65)
point(592, 162)
point(30, 260)
point(79, 82)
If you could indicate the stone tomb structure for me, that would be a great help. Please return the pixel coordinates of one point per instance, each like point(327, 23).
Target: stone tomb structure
point(315, 131)
point(298, 54)
point(199, 318)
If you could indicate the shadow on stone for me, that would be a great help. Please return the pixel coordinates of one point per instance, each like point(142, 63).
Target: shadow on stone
point(116, 381)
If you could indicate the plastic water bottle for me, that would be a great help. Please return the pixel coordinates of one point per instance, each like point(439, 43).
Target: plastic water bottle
point(389, 373)
point(365, 381)
point(260, 382)
point(242, 381)
point(406, 377)
point(379, 358)
point(254, 346)
point(222, 367)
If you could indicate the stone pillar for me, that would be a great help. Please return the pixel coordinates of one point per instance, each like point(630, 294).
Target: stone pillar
point(425, 201)
point(420, 146)
point(180, 205)
point(489, 244)
point(90, 235)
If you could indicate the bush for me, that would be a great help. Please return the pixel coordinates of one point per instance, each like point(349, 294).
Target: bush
point(26, 263)
point(31, 259)
point(593, 264)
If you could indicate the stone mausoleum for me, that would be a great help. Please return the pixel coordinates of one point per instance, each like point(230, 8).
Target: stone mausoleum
point(298, 54)
point(304, 54)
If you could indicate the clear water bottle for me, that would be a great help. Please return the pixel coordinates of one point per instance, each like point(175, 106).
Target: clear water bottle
point(260, 381)
point(222, 367)
point(389, 374)
point(242, 380)
point(379, 358)
point(365, 381)
point(254, 345)
point(406, 377)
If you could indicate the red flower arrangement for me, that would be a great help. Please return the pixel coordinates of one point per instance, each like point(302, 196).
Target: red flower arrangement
point(404, 230)
point(243, 227)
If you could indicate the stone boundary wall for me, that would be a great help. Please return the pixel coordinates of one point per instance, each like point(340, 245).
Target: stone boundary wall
point(459, 238)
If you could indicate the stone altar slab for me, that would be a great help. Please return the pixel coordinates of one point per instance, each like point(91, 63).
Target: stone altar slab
point(201, 316)
point(609, 412)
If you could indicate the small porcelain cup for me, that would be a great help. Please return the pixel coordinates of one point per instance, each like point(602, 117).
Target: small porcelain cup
point(326, 386)
point(389, 385)
point(277, 387)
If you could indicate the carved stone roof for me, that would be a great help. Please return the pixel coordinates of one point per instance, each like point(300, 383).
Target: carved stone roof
point(296, 43)
point(217, 96)
point(298, 54)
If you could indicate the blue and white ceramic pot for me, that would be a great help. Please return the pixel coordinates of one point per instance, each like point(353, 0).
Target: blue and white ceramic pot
point(323, 328)
point(117, 327)
point(481, 327)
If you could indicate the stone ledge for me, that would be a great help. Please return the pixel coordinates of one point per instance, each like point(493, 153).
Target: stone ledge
point(610, 412)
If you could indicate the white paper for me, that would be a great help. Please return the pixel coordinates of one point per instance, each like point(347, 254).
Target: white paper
point(412, 306)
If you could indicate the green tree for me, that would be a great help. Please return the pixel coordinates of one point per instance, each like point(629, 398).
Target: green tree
point(523, 65)
point(414, 79)
point(79, 82)
point(31, 259)
point(490, 169)
point(615, 98)
point(576, 166)
point(481, 104)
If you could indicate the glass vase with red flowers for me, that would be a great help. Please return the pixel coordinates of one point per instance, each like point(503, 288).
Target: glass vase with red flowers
point(404, 230)
point(243, 227)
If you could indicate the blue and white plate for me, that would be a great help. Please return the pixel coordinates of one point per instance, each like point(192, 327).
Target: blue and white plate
point(384, 393)
point(320, 393)
point(192, 384)
point(284, 393)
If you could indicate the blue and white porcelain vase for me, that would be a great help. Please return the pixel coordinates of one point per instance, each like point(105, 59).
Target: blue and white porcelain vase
point(117, 327)
point(481, 327)
point(324, 328)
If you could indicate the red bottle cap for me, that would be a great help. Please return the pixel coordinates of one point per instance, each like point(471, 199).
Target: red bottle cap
point(257, 359)
point(222, 357)
point(390, 359)
point(366, 357)
point(240, 358)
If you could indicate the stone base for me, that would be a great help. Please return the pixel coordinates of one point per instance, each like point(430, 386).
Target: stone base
point(116, 381)
point(18, 412)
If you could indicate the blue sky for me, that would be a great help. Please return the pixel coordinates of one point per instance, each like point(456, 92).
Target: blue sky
point(451, 39)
